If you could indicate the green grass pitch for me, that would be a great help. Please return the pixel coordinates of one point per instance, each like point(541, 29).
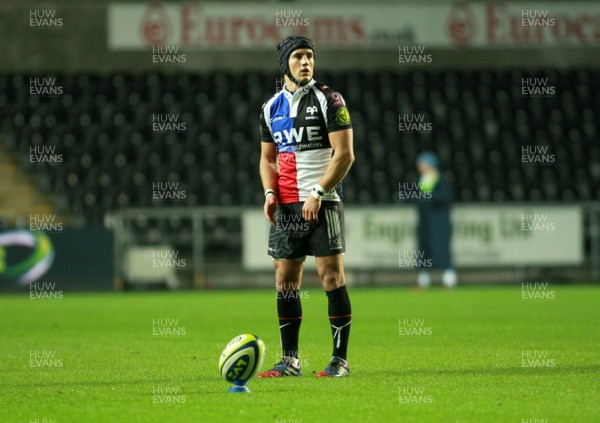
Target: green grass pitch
point(475, 355)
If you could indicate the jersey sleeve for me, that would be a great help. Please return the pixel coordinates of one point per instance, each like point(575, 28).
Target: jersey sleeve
point(265, 133)
point(338, 116)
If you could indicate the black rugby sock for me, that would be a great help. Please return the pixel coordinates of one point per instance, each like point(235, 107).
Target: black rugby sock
point(289, 310)
point(340, 316)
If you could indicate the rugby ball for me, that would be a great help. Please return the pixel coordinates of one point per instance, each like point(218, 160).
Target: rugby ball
point(242, 358)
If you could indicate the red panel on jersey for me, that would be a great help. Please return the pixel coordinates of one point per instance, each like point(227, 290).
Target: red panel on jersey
point(288, 178)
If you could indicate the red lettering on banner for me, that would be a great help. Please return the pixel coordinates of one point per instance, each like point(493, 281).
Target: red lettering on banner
point(269, 32)
point(503, 27)
point(188, 24)
point(576, 28)
point(335, 30)
point(492, 24)
point(214, 31)
point(357, 28)
point(236, 25)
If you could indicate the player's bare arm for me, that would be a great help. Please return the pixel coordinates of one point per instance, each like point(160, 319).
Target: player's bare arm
point(268, 177)
point(341, 162)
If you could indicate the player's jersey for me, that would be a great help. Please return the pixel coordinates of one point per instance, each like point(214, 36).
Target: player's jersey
point(299, 124)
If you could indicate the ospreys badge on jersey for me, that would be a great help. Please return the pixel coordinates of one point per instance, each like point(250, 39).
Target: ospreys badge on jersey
point(342, 116)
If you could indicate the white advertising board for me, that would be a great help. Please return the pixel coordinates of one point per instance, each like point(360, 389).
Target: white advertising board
point(482, 236)
point(196, 25)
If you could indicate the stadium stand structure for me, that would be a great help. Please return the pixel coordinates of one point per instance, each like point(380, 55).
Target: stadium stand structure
point(102, 126)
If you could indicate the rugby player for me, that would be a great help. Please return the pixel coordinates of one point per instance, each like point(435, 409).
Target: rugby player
point(306, 151)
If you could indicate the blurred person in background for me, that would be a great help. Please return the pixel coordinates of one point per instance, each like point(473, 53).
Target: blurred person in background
point(434, 229)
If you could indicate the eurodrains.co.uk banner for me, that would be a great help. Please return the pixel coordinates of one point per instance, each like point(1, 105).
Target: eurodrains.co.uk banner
point(67, 259)
point(261, 25)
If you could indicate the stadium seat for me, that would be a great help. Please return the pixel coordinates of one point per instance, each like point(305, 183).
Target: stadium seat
point(102, 126)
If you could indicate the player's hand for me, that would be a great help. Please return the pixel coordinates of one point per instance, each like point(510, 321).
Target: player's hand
point(310, 210)
point(270, 207)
